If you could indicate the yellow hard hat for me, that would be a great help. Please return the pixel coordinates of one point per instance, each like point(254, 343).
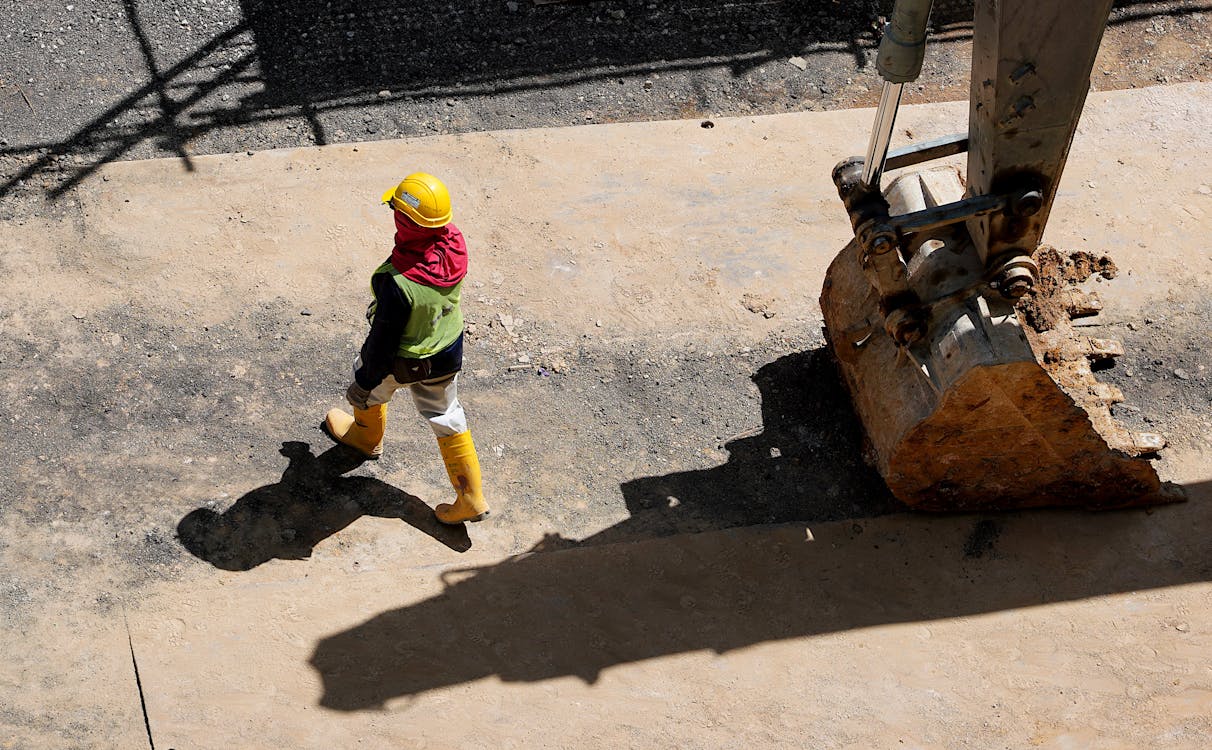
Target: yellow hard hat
point(423, 198)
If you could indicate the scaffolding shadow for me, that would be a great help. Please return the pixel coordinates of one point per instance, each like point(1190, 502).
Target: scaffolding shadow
point(311, 57)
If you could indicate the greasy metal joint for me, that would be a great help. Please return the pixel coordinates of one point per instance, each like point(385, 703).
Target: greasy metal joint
point(1015, 275)
point(1026, 203)
point(879, 245)
point(878, 238)
point(863, 203)
point(906, 325)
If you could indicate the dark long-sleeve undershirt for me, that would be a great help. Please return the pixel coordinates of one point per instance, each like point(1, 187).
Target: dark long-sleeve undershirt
point(383, 341)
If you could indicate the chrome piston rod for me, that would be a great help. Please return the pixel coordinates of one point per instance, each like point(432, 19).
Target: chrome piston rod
point(881, 133)
point(899, 61)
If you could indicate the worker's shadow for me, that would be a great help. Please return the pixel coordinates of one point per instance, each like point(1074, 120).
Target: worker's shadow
point(311, 502)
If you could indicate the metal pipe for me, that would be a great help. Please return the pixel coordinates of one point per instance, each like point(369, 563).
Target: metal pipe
point(919, 153)
point(899, 58)
point(881, 134)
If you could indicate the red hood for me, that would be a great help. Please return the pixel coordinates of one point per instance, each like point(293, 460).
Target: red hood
point(431, 256)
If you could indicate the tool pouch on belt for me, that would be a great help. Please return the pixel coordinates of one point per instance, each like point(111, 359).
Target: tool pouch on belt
point(411, 370)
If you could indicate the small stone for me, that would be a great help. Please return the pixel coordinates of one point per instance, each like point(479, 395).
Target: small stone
point(524, 358)
point(450, 102)
point(1204, 190)
point(589, 115)
point(597, 323)
point(78, 315)
point(507, 322)
point(384, 94)
point(798, 62)
point(1181, 374)
point(512, 6)
point(776, 453)
point(618, 14)
point(1182, 627)
point(1091, 184)
point(305, 312)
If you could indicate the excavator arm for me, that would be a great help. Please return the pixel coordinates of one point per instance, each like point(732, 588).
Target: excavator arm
point(950, 323)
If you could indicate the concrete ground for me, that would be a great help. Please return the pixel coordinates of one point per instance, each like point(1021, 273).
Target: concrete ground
point(689, 549)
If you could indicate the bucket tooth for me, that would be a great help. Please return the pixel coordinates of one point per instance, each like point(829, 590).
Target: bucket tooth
point(1147, 442)
point(1079, 304)
point(1103, 349)
point(1136, 443)
point(1106, 393)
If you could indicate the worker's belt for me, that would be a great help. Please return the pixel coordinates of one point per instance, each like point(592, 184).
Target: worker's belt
point(446, 362)
point(411, 370)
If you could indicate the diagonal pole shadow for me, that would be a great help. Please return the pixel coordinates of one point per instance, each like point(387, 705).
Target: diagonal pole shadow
point(312, 501)
point(168, 108)
point(87, 135)
point(329, 73)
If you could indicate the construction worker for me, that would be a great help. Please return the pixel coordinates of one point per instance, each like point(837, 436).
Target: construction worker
point(416, 341)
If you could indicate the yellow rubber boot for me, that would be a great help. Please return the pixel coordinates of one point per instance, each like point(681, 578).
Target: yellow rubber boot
point(363, 431)
point(463, 467)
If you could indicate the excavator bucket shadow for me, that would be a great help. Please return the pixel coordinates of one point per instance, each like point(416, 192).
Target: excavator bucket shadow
point(996, 406)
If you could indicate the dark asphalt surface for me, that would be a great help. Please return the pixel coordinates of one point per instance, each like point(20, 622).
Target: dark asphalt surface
point(85, 82)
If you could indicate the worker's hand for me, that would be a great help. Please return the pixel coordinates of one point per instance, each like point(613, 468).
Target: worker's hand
point(356, 395)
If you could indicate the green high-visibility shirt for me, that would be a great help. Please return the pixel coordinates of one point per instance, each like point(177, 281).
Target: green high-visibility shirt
point(436, 320)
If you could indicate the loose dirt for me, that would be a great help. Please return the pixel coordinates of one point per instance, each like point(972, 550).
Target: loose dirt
point(688, 547)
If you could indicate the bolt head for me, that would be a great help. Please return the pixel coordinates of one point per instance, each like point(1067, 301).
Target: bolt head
point(904, 327)
point(1017, 289)
point(1029, 203)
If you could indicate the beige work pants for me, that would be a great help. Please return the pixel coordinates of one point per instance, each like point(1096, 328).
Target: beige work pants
point(437, 399)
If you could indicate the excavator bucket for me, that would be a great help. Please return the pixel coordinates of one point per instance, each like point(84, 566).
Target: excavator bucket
point(950, 323)
point(996, 404)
